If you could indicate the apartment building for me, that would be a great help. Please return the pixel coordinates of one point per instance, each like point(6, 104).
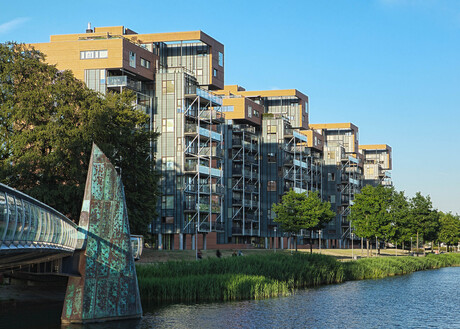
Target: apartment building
point(377, 164)
point(226, 154)
point(343, 174)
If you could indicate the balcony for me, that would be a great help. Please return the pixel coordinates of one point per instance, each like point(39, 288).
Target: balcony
point(123, 81)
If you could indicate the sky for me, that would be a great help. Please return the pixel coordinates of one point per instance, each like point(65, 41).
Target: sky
point(391, 67)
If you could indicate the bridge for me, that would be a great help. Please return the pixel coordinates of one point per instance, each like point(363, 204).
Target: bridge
point(31, 231)
point(96, 255)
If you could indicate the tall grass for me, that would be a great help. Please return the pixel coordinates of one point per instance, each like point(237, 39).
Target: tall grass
point(257, 277)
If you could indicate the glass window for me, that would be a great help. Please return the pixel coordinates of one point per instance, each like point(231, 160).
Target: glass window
point(92, 54)
point(132, 59)
point(145, 63)
point(169, 202)
point(250, 112)
point(168, 87)
point(271, 186)
point(221, 59)
point(214, 72)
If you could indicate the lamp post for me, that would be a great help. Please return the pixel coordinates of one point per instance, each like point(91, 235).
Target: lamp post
point(352, 248)
point(274, 242)
point(196, 241)
point(319, 236)
point(411, 245)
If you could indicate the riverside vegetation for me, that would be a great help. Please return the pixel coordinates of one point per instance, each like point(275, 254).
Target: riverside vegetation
point(258, 277)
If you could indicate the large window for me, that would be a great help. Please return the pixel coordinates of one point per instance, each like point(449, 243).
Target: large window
point(132, 59)
point(94, 54)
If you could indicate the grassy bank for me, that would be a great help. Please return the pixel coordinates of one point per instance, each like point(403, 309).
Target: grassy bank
point(257, 277)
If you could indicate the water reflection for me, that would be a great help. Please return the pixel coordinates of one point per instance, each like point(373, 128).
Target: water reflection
point(428, 299)
point(421, 300)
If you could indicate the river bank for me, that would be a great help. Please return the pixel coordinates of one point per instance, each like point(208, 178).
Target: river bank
point(267, 275)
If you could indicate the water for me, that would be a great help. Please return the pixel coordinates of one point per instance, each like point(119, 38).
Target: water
point(428, 299)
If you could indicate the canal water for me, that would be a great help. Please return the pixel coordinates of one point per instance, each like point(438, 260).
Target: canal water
point(427, 299)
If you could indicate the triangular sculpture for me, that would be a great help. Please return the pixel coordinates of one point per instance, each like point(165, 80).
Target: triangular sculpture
point(107, 288)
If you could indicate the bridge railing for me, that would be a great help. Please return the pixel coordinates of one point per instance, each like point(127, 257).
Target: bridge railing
point(28, 223)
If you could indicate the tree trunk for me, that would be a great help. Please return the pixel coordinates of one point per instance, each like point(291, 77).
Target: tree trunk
point(311, 241)
point(396, 244)
point(417, 245)
point(295, 242)
point(362, 246)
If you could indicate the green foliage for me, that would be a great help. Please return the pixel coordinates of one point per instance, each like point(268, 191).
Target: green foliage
point(449, 231)
point(256, 277)
point(299, 211)
point(399, 212)
point(370, 212)
point(48, 122)
point(423, 219)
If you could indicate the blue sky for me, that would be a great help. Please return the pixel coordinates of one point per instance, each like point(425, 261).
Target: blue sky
point(391, 67)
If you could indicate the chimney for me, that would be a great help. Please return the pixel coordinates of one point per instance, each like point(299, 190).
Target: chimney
point(89, 29)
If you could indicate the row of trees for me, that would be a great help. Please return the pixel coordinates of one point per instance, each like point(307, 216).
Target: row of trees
point(378, 212)
point(388, 215)
point(48, 122)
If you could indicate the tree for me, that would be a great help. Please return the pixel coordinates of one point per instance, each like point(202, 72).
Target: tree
point(423, 219)
point(369, 214)
point(398, 211)
point(298, 211)
point(449, 231)
point(48, 122)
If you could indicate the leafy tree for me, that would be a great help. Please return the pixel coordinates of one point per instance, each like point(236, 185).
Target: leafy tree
point(449, 231)
point(399, 212)
point(48, 122)
point(298, 211)
point(369, 215)
point(423, 219)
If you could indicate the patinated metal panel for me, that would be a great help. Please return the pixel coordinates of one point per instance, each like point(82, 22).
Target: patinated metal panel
point(107, 288)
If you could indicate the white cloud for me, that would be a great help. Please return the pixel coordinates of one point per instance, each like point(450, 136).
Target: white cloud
point(8, 26)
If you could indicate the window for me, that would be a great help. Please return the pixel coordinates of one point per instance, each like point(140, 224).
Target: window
point(214, 72)
point(271, 186)
point(169, 163)
point(331, 177)
point(168, 202)
point(168, 125)
point(272, 129)
point(168, 87)
point(145, 63)
point(93, 54)
point(199, 72)
point(249, 111)
point(132, 59)
point(256, 113)
point(271, 157)
point(221, 59)
point(331, 198)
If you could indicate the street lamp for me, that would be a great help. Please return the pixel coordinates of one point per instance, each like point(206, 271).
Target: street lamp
point(319, 236)
point(274, 242)
point(352, 248)
point(196, 241)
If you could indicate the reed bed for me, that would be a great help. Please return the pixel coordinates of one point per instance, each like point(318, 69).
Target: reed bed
point(258, 277)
